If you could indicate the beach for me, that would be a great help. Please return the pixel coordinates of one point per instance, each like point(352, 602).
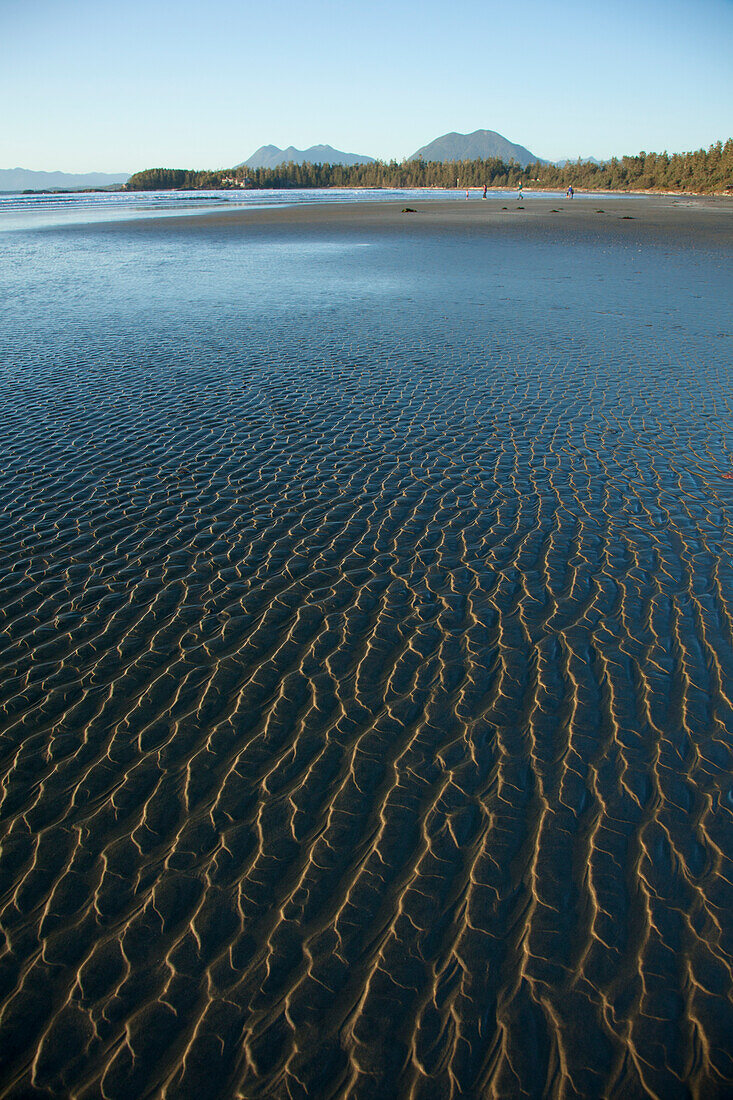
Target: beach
point(366, 631)
point(695, 217)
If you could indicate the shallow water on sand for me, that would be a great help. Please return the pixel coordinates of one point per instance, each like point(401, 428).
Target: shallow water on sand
point(366, 632)
point(31, 211)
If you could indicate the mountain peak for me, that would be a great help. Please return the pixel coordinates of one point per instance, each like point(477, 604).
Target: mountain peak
point(481, 144)
point(270, 156)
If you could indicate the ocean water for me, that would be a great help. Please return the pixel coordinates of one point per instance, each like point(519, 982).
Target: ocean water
point(366, 631)
point(35, 211)
point(19, 211)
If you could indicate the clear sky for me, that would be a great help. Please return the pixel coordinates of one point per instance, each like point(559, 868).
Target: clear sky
point(121, 85)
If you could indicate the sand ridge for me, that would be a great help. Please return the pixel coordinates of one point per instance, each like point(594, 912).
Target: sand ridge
point(367, 679)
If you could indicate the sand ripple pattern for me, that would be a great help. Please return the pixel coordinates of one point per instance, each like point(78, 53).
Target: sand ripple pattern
point(367, 718)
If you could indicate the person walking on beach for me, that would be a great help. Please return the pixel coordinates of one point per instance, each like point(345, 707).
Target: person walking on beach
point(520, 192)
point(570, 191)
point(466, 192)
point(484, 194)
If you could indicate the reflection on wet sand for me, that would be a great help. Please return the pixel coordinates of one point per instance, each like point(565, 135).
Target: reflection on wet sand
point(367, 681)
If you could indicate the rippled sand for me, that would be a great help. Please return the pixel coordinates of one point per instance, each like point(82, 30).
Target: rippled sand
point(366, 630)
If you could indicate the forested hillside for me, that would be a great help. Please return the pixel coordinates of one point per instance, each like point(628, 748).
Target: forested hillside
point(706, 170)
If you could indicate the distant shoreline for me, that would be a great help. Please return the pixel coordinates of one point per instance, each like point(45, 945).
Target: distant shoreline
point(702, 171)
point(356, 187)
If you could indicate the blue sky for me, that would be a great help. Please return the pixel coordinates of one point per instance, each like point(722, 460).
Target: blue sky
point(113, 86)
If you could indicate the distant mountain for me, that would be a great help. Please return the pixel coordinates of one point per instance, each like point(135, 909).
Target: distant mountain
point(480, 145)
point(574, 160)
point(269, 156)
point(22, 179)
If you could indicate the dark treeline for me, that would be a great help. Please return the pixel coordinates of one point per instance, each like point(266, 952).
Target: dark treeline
point(706, 170)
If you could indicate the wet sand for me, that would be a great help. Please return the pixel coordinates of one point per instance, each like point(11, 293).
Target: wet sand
point(695, 218)
point(366, 630)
